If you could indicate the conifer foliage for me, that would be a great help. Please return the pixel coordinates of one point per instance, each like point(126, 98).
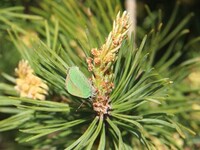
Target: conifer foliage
point(82, 83)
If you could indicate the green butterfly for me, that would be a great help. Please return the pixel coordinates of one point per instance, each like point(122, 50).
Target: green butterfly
point(77, 83)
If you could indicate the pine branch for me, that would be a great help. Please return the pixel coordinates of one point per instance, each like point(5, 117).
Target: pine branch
point(142, 109)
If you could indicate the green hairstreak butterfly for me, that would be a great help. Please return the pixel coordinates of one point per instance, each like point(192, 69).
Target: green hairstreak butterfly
point(77, 83)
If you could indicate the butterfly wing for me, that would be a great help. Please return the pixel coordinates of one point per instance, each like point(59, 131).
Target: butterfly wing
point(77, 84)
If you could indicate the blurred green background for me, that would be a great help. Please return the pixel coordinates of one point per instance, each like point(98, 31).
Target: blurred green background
point(166, 6)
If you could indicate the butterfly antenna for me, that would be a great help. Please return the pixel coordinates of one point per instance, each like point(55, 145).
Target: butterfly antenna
point(79, 106)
